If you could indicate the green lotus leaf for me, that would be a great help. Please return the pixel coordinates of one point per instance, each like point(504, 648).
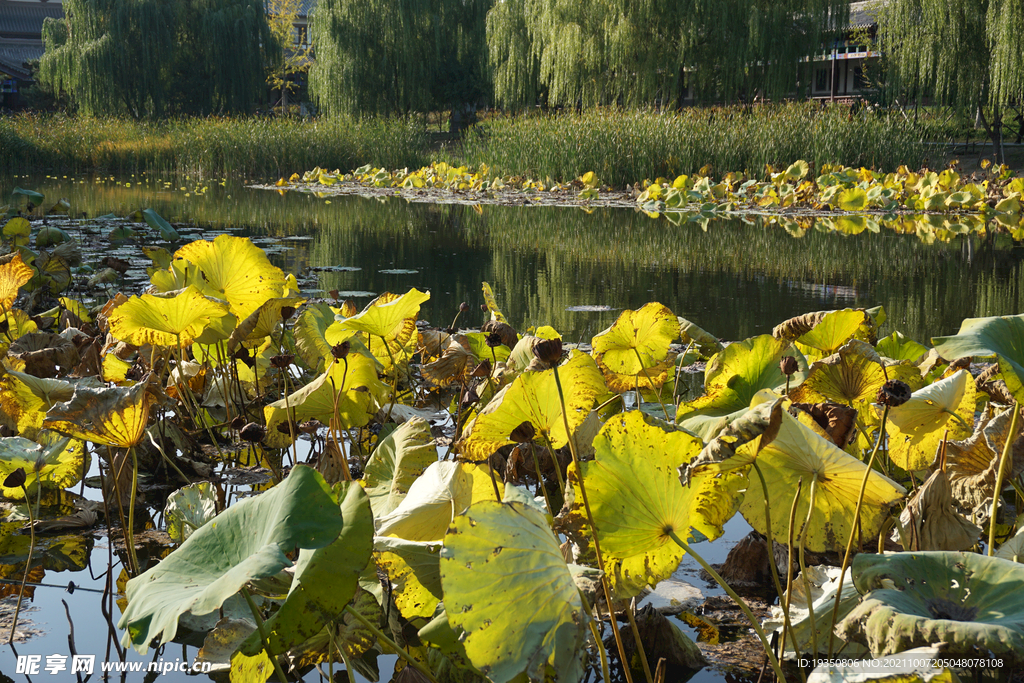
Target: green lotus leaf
point(961, 603)
point(852, 199)
point(398, 460)
point(189, 508)
point(899, 347)
point(533, 397)
point(1013, 549)
point(734, 376)
point(507, 586)
point(797, 453)
point(444, 490)
point(167, 321)
point(247, 541)
point(916, 428)
point(476, 343)
point(631, 352)
point(350, 386)
point(160, 224)
point(636, 499)
point(326, 577)
point(1002, 337)
point(61, 462)
point(233, 269)
point(414, 570)
point(19, 229)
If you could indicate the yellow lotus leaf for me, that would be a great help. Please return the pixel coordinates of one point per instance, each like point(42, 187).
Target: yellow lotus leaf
point(19, 324)
point(853, 199)
point(835, 329)
point(310, 331)
point(114, 369)
point(77, 308)
point(533, 397)
point(350, 386)
point(390, 323)
point(111, 417)
point(63, 462)
point(632, 351)
point(797, 453)
point(24, 400)
point(637, 500)
point(166, 321)
point(235, 270)
point(262, 322)
point(414, 570)
point(916, 428)
point(444, 491)
point(13, 275)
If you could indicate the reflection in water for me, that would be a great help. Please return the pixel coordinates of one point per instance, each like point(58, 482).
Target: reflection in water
point(734, 278)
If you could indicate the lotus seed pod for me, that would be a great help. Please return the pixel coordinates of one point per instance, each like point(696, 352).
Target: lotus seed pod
point(894, 393)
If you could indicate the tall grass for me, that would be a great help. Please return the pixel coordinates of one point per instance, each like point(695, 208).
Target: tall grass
point(620, 146)
point(628, 146)
point(248, 147)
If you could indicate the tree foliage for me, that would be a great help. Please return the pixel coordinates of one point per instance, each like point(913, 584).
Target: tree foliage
point(649, 51)
point(156, 57)
point(296, 55)
point(378, 57)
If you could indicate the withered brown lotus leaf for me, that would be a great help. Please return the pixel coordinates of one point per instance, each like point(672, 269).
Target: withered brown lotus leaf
point(798, 326)
point(454, 365)
point(837, 420)
point(988, 382)
point(43, 353)
point(973, 462)
point(432, 343)
point(930, 522)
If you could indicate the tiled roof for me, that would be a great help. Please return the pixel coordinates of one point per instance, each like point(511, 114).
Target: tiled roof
point(864, 14)
point(13, 58)
point(26, 18)
point(305, 9)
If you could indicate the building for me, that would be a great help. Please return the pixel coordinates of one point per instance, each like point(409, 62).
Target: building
point(21, 42)
point(839, 72)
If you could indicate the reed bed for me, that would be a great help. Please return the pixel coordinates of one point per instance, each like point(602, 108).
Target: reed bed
point(250, 147)
point(629, 146)
point(621, 146)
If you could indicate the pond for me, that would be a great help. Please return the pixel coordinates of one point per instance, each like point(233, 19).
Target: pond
point(569, 268)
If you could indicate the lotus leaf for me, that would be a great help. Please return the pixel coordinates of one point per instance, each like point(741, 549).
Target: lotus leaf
point(972, 462)
point(916, 427)
point(632, 352)
point(350, 386)
point(444, 490)
point(635, 497)
point(234, 270)
point(167, 321)
point(262, 322)
point(455, 364)
point(62, 463)
point(1002, 337)
point(706, 342)
point(347, 634)
point(533, 397)
point(160, 224)
point(18, 228)
point(823, 581)
point(929, 521)
point(247, 541)
point(899, 347)
point(414, 570)
point(189, 508)
point(507, 586)
point(834, 330)
point(1013, 549)
point(961, 603)
point(13, 275)
point(326, 577)
point(24, 400)
point(397, 461)
point(390, 320)
point(111, 417)
point(310, 330)
point(492, 304)
point(732, 379)
point(796, 453)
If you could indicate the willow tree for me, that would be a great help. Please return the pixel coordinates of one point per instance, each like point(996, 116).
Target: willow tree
point(649, 51)
point(156, 57)
point(964, 53)
point(386, 57)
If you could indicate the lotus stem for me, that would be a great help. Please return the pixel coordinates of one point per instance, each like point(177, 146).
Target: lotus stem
point(28, 563)
point(554, 460)
point(1001, 476)
point(263, 634)
point(593, 532)
point(803, 572)
point(600, 650)
point(344, 659)
point(660, 402)
point(789, 573)
point(853, 529)
point(166, 457)
point(639, 644)
point(336, 422)
point(787, 627)
point(130, 534)
point(737, 599)
point(413, 662)
point(129, 546)
point(291, 420)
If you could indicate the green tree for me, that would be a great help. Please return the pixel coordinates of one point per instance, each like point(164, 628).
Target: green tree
point(158, 57)
point(296, 54)
point(964, 53)
point(383, 57)
point(650, 51)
